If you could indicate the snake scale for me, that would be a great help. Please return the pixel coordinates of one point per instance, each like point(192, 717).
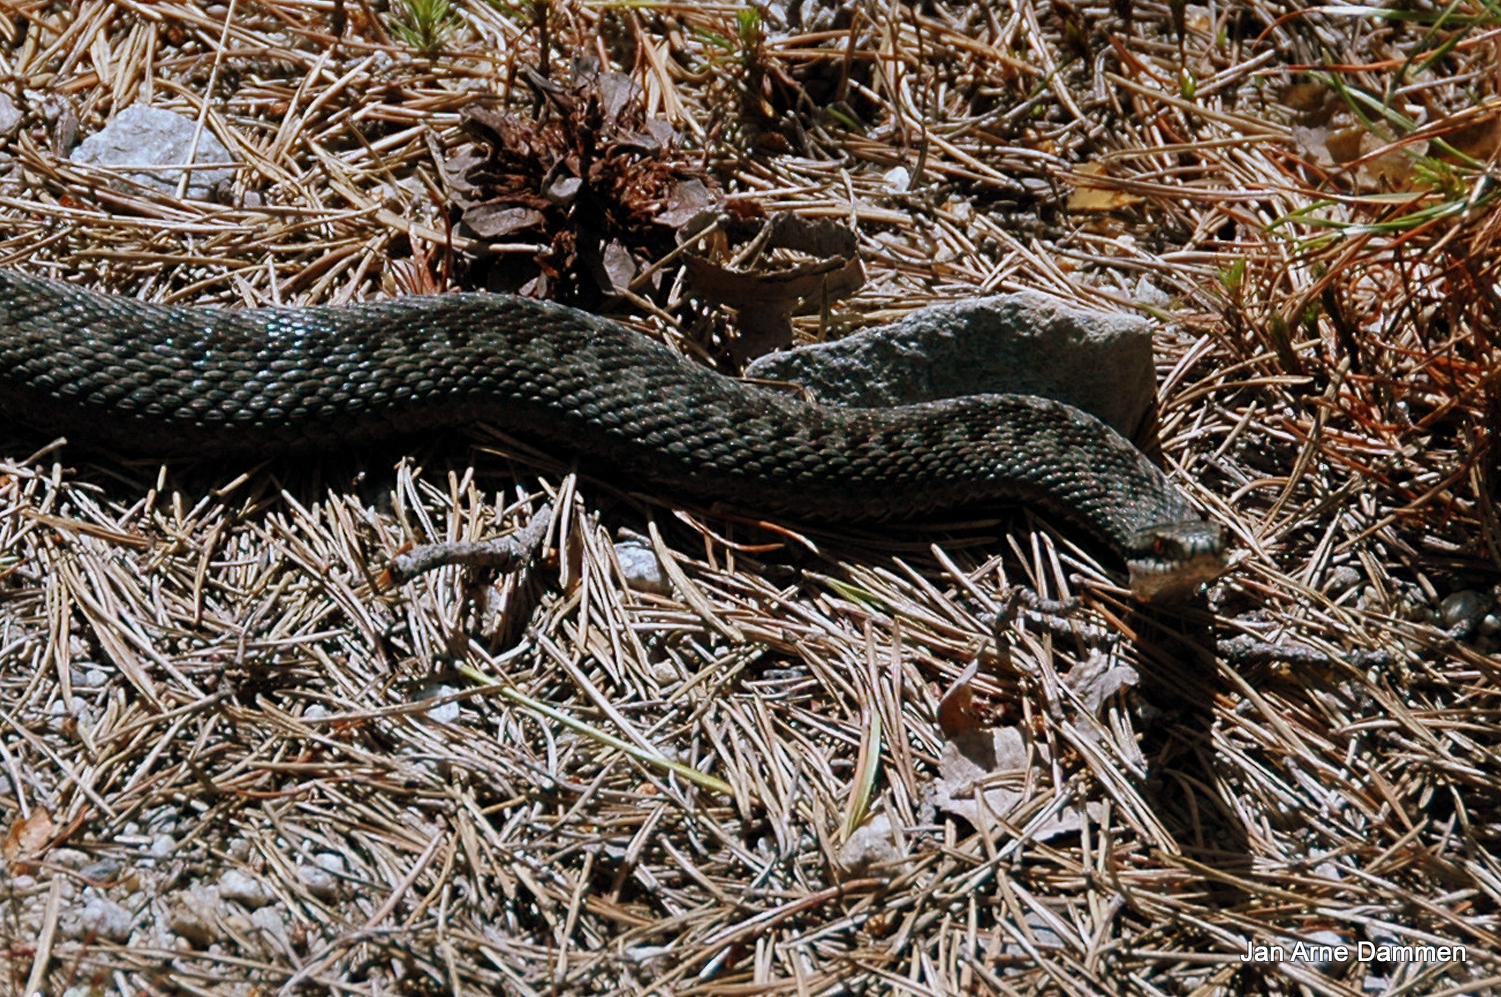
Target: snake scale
point(117, 373)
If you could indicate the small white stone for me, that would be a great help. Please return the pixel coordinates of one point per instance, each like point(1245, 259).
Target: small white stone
point(69, 858)
point(10, 115)
point(1342, 579)
point(248, 890)
point(332, 861)
point(1149, 293)
point(642, 569)
point(272, 921)
point(194, 918)
point(444, 712)
point(319, 882)
point(106, 919)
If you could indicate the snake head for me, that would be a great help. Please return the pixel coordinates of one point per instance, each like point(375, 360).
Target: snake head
point(1170, 561)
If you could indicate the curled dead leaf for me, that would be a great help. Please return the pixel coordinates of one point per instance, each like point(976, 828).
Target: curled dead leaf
point(28, 836)
point(1099, 197)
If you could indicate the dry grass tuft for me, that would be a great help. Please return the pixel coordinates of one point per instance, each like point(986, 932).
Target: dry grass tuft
point(235, 764)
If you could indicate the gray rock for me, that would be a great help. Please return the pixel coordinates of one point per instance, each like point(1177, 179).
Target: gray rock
point(195, 915)
point(153, 137)
point(1149, 293)
point(639, 564)
point(446, 712)
point(333, 862)
point(251, 891)
point(105, 919)
point(1342, 579)
point(90, 678)
point(1026, 343)
point(10, 115)
point(271, 924)
point(69, 858)
point(1462, 607)
point(876, 844)
point(101, 871)
point(319, 882)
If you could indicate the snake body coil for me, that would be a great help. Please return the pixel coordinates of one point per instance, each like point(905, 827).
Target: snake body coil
point(119, 373)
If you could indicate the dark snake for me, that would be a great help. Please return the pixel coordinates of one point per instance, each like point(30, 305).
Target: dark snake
point(117, 373)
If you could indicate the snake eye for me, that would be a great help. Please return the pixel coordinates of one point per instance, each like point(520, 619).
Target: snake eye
point(1175, 559)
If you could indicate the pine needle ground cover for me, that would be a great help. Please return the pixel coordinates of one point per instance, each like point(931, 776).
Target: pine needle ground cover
point(239, 760)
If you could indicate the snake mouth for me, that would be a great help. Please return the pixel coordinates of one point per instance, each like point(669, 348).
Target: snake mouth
point(1170, 561)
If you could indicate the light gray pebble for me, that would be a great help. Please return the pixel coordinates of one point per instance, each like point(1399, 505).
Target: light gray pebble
point(664, 673)
point(1342, 579)
point(160, 140)
point(251, 891)
point(273, 922)
point(1329, 871)
point(641, 567)
point(10, 115)
point(69, 858)
point(332, 862)
point(1461, 607)
point(319, 882)
point(102, 871)
point(105, 919)
point(444, 712)
point(874, 843)
point(1149, 293)
point(194, 921)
